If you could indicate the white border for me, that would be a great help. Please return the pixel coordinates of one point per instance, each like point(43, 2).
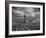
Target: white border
point(25, 32)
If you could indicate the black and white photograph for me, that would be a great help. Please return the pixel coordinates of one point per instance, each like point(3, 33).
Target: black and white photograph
point(25, 19)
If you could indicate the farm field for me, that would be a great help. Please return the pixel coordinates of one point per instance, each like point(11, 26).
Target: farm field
point(25, 27)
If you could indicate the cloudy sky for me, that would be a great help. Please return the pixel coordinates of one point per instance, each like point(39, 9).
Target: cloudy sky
point(27, 11)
